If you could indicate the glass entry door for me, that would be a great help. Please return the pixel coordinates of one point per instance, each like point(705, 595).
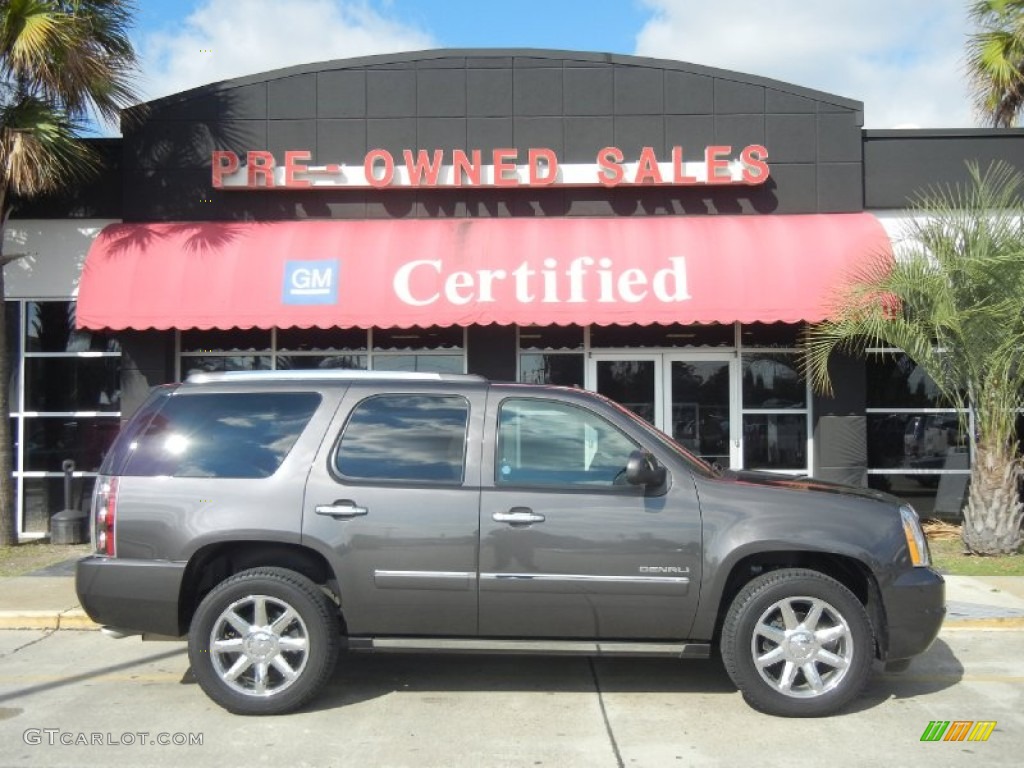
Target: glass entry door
point(692, 396)
point(700, 392)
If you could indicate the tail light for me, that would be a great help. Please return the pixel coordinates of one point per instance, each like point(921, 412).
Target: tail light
point(104, 511)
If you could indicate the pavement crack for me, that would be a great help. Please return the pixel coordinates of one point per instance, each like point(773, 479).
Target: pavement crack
point(604, 715)
point(29, 644)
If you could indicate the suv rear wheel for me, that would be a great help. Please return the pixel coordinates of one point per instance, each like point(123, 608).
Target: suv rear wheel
point(264, 641)
point(797, 643)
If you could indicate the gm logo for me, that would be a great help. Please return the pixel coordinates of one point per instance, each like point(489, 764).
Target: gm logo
point(311, 282)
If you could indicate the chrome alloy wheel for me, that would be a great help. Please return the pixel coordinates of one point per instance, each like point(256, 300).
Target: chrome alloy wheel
point(259, 645)
point(802, 647)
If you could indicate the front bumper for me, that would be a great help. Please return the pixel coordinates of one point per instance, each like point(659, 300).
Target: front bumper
point(135, 595)
point(915, 605)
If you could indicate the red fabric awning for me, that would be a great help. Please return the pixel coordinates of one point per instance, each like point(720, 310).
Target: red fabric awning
point(664, 269)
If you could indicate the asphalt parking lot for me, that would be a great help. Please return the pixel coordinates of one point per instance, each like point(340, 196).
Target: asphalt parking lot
point(423, 710)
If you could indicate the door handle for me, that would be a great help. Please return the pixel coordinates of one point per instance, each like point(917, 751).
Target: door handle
point(341, 510)
point(518, 516)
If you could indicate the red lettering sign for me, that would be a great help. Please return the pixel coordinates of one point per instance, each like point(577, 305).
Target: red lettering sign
point(426, 168)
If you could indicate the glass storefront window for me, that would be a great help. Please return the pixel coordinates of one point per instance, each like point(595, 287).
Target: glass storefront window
point(419, 363)
point(218, 363)
point(775, 441)
point(70, 375)
point(916, 441)
point(49, 440)
point(67, 384)
point(321, 362)
point(43, 497)
point(50, 327)
point(772, 381)
point(562, 369)
point(932, 496)
point(896, 381)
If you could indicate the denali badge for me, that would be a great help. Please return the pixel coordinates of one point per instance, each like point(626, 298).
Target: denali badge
point(663, 569)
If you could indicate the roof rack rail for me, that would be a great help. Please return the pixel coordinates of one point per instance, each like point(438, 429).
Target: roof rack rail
point(336, 375)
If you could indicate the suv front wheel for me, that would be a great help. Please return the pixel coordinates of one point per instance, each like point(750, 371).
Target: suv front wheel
point(797, 643)
point(264, 641)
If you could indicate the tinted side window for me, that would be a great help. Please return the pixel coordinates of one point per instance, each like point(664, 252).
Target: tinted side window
point(413, 438)
point(121, 448)
point(222, 435)
point(541, 442)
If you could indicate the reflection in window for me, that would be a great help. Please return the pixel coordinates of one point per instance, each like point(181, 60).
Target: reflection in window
point(932, 496)
point(49, 440)
point(896, 381)
point(68, 384)
point(563, 370)
point(43, 497)
point(419, 363)
point(216, 364)
point(50, 327)
point(546, 443)
point(413, 438)
point(916, 441)
point(774, 441)
point(321, 362)
point(772, 381)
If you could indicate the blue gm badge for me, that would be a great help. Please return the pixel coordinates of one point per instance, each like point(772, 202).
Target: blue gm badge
point(311, 282)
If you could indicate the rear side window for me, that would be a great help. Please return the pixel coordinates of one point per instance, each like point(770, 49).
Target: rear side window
point(121, 449)
point(410, 438)
point(221, 435)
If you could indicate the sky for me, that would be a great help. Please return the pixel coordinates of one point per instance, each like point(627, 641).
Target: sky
point(902, 58)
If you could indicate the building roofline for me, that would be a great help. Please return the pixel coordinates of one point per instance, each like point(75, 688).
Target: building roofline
point(411, 57)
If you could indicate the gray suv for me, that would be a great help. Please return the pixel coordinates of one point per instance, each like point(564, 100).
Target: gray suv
point(275, 518)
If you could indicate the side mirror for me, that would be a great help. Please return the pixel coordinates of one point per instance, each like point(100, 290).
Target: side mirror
point(643, 469)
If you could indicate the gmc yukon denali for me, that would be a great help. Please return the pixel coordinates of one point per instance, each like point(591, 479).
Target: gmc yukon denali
point(275, 518)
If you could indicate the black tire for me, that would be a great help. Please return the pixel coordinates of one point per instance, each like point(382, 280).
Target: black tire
point(305, 643)
point(826, 662)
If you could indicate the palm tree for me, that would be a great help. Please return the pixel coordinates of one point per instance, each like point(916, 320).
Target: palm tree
point(952, 302)
point(995, 60)
point(61, 63)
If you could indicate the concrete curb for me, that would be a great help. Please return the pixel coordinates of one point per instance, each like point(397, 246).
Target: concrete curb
point(74, 618)
point(1003, 623)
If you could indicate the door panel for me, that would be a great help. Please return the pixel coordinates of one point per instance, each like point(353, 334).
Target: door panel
point(405, 549)
point(565, 551)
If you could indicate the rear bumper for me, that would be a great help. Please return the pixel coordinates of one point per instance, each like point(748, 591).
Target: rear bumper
point(915, 605)
point(136, 595)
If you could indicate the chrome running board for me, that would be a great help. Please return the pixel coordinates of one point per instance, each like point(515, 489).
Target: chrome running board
point(537, 647)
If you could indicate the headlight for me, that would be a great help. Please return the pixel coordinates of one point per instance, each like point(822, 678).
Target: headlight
point(917, 543)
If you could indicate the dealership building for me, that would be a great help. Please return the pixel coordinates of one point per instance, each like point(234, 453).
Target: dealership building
point(654, 230)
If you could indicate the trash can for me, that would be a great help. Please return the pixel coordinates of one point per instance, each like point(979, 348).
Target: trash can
point(69, 525)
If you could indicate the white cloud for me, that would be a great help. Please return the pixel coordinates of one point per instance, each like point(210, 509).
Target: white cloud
point(222, 39)
point(902, 58)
